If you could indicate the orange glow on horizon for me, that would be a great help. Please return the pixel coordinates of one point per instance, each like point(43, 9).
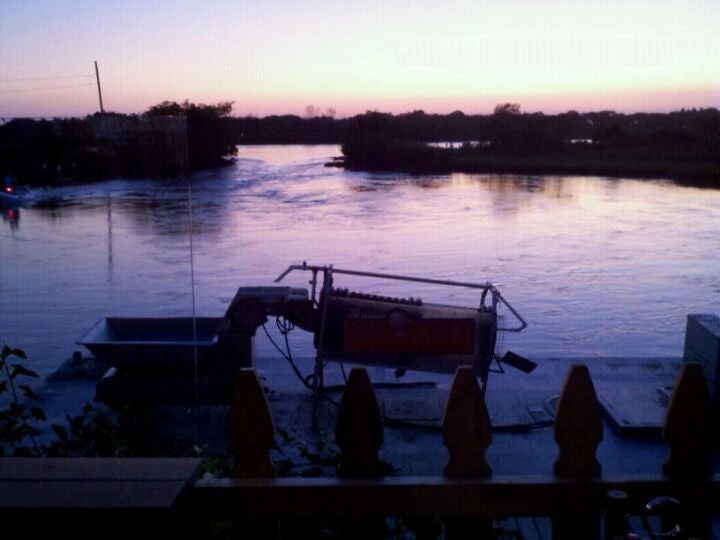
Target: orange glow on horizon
point(389, 55)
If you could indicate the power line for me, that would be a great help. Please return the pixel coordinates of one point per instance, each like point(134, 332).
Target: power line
point(84, 76)
point(23, 90)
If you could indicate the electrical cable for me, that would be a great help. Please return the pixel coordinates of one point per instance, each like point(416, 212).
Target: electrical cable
point(42, 89)
point(19, 79)
point(287, 356)
point(342, 368)
point(285, 327)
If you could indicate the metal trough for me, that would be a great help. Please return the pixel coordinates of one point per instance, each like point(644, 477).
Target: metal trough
point(152, 344)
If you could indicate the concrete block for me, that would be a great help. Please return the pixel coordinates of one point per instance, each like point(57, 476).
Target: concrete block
point(702, 344)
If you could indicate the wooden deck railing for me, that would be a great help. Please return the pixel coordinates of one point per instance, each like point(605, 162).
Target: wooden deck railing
point(468, 495)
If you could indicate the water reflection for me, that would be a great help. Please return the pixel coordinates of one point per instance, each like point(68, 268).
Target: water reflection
point(160, 209)
point(11, 216)
point(597, 267)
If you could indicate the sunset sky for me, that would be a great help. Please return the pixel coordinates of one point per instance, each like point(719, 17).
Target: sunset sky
point(278, 57)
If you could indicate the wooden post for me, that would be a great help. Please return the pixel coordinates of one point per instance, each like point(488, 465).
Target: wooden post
point(687, 431)
point(252, 435)
point(578, 425)
point(467, 435)
point(359, 430)
point(359, 434)
point(702, 345)
point(687, 426)
point(466, 428)
point(578, 432)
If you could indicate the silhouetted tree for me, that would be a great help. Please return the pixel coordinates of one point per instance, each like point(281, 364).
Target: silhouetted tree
point(507, 108)
point(208, 133)
point(644, 143)
point(167, 108)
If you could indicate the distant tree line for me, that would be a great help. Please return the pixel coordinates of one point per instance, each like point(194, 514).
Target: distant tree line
point(168, 138)
point(288, 129)
point(683, 144)
point(696, 130)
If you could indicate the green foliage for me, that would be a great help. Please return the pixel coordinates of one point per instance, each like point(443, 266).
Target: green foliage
point(97, 432)
point(217, 465)
point(375, 151)
point(507, 108)
point(295, 455)
point(298, 455)
point(111, 145)
point(208, 133)
point(94, 433)
point(18, 420)
point(172, 108)
point(100, 432)
point(681, 145)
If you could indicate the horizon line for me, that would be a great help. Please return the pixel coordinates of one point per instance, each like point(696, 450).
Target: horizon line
point(5, 118)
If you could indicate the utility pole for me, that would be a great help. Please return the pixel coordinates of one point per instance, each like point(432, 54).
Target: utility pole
point(97, 76)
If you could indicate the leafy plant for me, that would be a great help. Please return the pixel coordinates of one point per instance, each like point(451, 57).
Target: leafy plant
point(215, 465)
point(295, 455)
point(19, 419)
point(95, 433)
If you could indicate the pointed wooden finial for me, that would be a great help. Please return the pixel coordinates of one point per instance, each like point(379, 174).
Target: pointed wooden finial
point(466, 427)
point(687, 425)
point(359, 430)
point(578, 425)
point(252, 433)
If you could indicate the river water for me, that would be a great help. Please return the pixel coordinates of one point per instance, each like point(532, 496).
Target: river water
point(598, 267)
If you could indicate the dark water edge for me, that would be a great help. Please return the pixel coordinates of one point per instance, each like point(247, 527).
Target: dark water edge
point(684, 174)
point(447, 161)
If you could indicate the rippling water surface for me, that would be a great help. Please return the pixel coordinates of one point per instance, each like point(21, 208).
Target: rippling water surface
point(598, 267)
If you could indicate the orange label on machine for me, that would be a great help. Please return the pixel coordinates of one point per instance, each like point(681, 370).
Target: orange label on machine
point(409, 336)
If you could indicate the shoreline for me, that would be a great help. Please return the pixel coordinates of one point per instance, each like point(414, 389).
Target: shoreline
point(449, 161)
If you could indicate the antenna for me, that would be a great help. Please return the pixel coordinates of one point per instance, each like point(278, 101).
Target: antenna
point(192, 280)
point(97, 76)
point(192, 291)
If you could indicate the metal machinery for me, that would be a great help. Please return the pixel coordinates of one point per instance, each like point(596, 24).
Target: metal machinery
point(401, 333)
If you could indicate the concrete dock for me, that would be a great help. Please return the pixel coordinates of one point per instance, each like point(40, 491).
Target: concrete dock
point(632, 392)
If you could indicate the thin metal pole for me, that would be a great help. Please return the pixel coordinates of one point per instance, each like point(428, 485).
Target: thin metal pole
point(97, 77)
point(192, 291)
point(196, 370)
point(386, 276)
point(319, 369)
